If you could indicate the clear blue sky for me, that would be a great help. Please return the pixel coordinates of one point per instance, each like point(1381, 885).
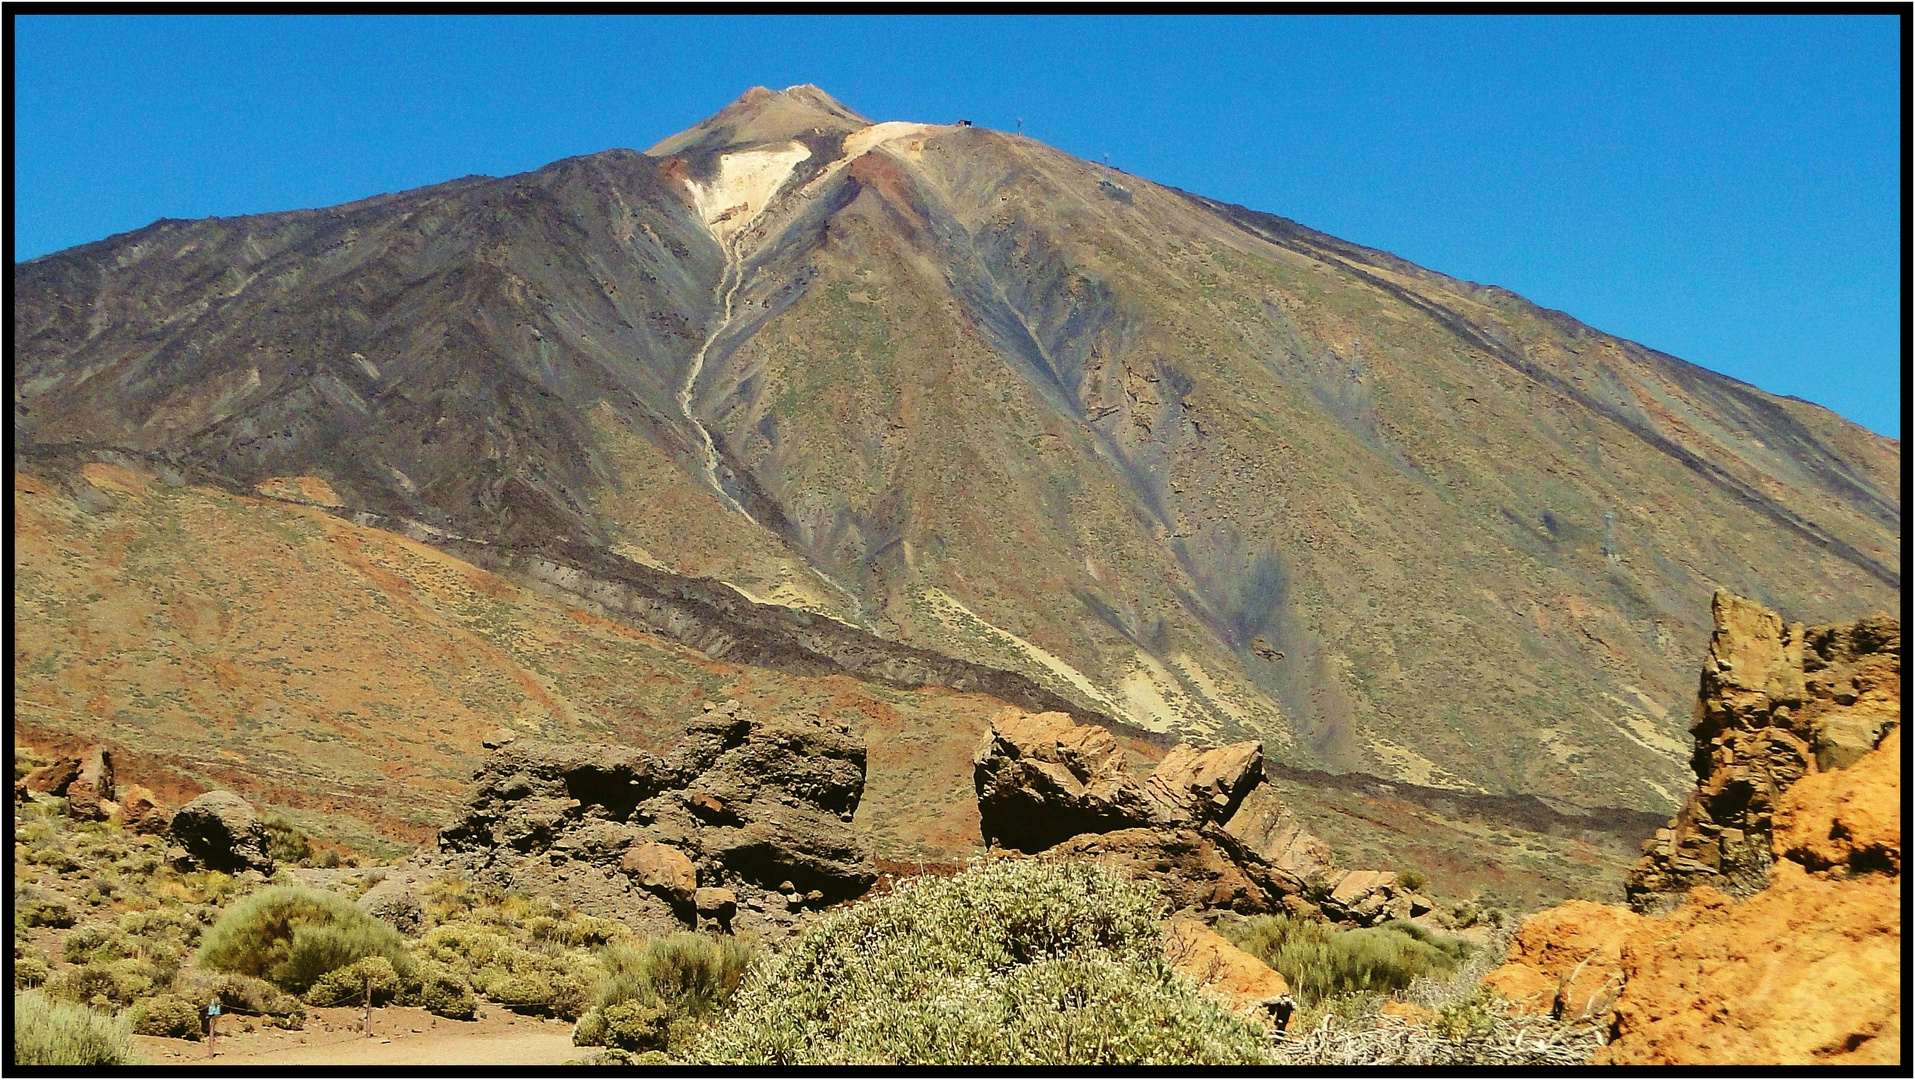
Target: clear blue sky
point(1727, 190)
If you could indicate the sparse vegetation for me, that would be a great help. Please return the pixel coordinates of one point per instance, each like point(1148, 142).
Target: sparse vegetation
point(659, 997)
point(1011, 962)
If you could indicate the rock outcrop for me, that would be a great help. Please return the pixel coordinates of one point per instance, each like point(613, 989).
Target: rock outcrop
point(1046, 784)
point(50, 779)
point(1805, 970)
point(1268, 827)
point(220, 831)
point(1371, 897)
point(1777, 703)
point(748, 807)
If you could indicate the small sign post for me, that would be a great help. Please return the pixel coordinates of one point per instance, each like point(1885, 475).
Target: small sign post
point(212, 1024)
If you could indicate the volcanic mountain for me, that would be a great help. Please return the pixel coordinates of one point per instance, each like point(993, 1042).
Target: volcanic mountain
point(932, 391)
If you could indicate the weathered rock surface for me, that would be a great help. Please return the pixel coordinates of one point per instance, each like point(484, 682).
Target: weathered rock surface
point(395, 903)
point(1207, 785)
point(1243, 983)
point(1567, 961)
point(1195, 869)
point(742, 803)
point(1268, 827)
point(1804, 972)
point(1777, 703)
point(1370, 897)
point(221, 831)
point(50, 779)
point(142, 812)
point(1848, 819)
point(92, 788)
point(1043, 778)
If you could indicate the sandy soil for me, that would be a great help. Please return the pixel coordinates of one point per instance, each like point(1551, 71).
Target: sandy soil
point(398, 1037)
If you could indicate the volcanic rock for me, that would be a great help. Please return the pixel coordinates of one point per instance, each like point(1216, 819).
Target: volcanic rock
point(1044, 778)
point(1567, 961)
point(1269, 828)
point(1848, 820)
point(1776, 704)
point(221, 831)
point(92, 788)
point(1195, 870)
point(142, 812)
point(742, 803)
point(1207, 785)
point(395, 903)
point(52, 779)
point(1243, 983)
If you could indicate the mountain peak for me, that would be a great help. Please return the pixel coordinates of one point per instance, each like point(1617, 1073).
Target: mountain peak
point(761, 115)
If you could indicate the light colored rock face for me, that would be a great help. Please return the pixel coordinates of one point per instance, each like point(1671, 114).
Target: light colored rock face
point(1042, 778)
point(1207, 784)
point(1243, 983)
point(52, 779)
point(745, 183)
point(663, 869)
point(1267, 827)
point(1777, 703)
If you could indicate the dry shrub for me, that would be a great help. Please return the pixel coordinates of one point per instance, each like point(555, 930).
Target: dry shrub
point(50, 1032)
point(292, 936)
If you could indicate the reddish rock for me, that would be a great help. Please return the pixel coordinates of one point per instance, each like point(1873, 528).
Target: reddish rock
point(51, 779)
point(1243, 983)
point(93, 787)
point(1043, 778)
point(1267, 827)
point(142, 812)
point(1206, 785)
point(663, 869)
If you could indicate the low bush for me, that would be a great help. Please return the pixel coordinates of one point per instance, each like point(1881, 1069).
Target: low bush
point(1413, 880)
point(372, 976)
point(660, 995)
point(292, 936)
point(1012, 962)
point(30, 969)
point(631, 1025)
point(50, 1032)
point(106, 984)
point(242, 994)
point(37, 908)
point(286, 842)
point(442, 992)
point(167, 1016)
point(1320, 961)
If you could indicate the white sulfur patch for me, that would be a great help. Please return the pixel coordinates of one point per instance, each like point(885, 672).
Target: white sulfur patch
point(744, 185)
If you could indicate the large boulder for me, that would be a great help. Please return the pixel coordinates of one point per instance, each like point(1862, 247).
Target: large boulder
point(1043, 778)
point(394, 903)
point(1194, 869)
point(743, 803)
point(90, 795)
point(1266, 826)
point(221, 831)
point(50, 779)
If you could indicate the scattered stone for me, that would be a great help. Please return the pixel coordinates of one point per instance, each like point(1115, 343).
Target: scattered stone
point(92, 787)
point(394, 903)
point(221, 831)
point(142, 812)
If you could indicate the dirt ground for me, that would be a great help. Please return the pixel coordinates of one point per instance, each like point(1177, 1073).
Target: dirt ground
point(398, 1037)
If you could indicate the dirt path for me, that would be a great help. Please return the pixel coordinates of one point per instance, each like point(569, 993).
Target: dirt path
point(400, 1037)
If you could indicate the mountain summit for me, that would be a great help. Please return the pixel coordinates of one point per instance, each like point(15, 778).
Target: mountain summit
point(1194, 469)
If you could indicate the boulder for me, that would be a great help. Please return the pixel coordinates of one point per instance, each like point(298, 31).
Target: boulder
point(1043, 778)
point(394, 903)
point(1206, 785)
point(1243, 983)
point(716, 905)
point(51, 779)
point(221, 831)
point(142, 812)
point(92, 787)
point(663, 869)
point(1194, 869)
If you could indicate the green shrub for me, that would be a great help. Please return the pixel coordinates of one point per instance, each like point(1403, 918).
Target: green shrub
point(1013, 962)
point(630, 1025)
point(167, 1016)
point(36, 908)
point(349, 985)
point(443, 993)
point(49, 1032)
point(105, 984)
point(293, 936)
point(241, 994)
point(286, 843)
point(30, 969)
point(1413, 880)
point(1320, 961)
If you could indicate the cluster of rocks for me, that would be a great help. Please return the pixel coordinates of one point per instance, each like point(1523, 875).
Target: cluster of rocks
point(746, 821)
point(1777, 703)
point(215, 831)
point(1046, 784)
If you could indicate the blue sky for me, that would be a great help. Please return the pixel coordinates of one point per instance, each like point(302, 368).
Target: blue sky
point(1727, 190)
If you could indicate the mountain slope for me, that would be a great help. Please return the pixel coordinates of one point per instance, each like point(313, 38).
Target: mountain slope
point(1192, 467)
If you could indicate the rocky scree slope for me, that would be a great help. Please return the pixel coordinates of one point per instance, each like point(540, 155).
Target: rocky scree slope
point(1186, 466)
